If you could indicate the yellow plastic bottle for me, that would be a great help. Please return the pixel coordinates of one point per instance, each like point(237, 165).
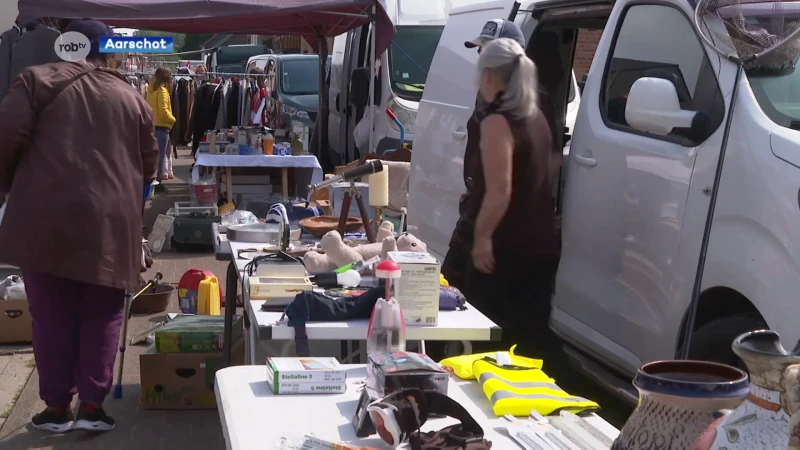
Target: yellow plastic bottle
point(208, 301)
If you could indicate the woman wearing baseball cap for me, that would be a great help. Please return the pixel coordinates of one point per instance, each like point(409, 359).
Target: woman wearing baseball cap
point(78, 146)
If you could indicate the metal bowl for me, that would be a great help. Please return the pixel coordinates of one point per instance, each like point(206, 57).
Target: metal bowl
point(261, 233)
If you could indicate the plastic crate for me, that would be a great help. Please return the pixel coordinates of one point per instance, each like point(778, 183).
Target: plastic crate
point(203, 194)
point(186, 208)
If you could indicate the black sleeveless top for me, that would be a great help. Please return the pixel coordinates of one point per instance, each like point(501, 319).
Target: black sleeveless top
point(528, 227)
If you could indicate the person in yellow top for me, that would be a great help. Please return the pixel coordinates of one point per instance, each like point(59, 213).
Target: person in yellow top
point(158, 99)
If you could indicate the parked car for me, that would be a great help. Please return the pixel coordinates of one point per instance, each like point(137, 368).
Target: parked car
point(636, 193)
point(293, 81)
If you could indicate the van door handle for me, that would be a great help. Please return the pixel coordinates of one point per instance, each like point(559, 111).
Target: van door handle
point(459, 135)
point(585, 161)
point(337, 102)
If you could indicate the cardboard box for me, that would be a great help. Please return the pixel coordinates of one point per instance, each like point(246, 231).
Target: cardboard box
point(16, 324)
point(417, 289)
point(391, 372)
point(182, 380)
point(189, 333)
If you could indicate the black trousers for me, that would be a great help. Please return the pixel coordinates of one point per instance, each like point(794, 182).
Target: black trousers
point(517, 297)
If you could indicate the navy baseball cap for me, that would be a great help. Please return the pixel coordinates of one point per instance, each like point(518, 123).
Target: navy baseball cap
point(94, 30)
point(496, 29)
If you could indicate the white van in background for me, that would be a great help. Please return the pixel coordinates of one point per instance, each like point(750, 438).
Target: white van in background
point(403, 72)
point(638, 181)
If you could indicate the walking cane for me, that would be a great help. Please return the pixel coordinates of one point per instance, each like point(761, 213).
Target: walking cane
point(128, 300)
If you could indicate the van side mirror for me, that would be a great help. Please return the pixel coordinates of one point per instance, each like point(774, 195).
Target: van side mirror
point(653, 107)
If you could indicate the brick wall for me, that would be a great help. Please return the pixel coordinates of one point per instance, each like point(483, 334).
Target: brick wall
point(584, 51)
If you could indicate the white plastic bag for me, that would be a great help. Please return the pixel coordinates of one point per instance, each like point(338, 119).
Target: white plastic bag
point(13, 288)
point(361, 131)
point(3, 210)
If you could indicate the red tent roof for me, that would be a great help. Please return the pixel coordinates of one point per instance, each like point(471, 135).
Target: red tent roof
point(311, 18)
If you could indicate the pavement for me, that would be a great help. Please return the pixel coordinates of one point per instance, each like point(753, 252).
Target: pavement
point(169, 430)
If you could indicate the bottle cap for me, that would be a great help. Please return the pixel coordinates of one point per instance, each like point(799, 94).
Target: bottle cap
point(387, 269)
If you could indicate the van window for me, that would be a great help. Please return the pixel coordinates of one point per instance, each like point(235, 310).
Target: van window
point(410, 57)
point(300, 76)
point(660, 41)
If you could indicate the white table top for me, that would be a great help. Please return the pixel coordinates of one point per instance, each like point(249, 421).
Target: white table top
point(468, 325)
point(216, 160)
point(254, 418)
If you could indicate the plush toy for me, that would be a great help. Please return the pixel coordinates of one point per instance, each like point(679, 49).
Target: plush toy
point(338, 254)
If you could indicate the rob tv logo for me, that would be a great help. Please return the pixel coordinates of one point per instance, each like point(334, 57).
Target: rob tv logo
point(72, 46)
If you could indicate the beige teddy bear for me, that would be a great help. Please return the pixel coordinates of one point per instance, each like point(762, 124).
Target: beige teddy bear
point(338, 254)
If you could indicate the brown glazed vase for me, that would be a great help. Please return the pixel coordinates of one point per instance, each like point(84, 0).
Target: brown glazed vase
point(677, 401)
point(762, 421)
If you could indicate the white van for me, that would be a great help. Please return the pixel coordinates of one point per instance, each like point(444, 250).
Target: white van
point(402, 76)
point(637, 190)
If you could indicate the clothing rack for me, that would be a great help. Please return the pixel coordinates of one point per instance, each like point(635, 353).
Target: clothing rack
point(202, 75)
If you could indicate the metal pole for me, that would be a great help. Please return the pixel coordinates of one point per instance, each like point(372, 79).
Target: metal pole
point(712, 204)
point(373, 57)
point(254, 38)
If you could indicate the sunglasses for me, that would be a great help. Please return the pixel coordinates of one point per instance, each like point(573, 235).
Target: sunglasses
point(398, 415)
point(385, 418)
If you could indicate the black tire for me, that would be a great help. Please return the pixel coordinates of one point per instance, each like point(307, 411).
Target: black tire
point(712, 342)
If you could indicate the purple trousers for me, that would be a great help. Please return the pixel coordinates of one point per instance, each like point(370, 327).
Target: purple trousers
point(75, 337)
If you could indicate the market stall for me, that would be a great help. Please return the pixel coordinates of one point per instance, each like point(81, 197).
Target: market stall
point(306, 169)
point(315, 20)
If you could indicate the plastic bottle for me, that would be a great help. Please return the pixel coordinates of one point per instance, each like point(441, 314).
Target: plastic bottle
point(387, 329)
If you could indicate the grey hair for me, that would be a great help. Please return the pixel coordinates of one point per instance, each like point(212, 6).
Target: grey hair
point(506, 59)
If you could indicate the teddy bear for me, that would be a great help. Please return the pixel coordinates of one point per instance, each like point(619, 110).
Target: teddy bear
point(338, 254)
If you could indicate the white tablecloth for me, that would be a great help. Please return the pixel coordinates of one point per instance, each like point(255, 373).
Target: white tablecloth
point(254, 418)
point(308, 170)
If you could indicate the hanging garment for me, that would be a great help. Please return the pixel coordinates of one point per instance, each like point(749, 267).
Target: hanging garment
point(189, 113)
point(232, 106)
point(33, 47)
point(180, 103)
point(204, 117)
point(7, 41)
point(219, 100)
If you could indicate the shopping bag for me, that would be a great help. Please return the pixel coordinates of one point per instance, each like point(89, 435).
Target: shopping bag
point(13, 288)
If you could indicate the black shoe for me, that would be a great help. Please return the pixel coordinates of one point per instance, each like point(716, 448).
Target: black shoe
point(91, 418)
point(55, 420)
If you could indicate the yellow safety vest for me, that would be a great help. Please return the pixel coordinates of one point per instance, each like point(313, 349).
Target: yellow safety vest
point(461, 366)
point(519, 390)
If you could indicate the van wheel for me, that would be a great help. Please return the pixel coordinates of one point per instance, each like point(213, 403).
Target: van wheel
point(712, 342)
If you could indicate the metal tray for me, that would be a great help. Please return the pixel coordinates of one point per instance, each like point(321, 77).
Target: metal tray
point(260, 233)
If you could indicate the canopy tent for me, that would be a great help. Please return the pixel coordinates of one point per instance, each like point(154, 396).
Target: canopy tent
point(309, 18)
point(312, 19)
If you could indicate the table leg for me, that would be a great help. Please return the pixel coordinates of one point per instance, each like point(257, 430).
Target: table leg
point(229, 184)
point(253, 341)
point(285, 182)
point(467, 347)
point(231, 290)
point(422, 348)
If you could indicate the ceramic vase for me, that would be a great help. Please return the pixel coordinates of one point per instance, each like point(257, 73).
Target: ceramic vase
point(762, 421)
point(677, 401)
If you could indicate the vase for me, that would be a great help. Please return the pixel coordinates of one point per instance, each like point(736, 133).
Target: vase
point(677, 401)
point(762, 420)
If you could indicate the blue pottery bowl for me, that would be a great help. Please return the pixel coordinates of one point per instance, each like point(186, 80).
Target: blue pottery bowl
point(693, 379)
